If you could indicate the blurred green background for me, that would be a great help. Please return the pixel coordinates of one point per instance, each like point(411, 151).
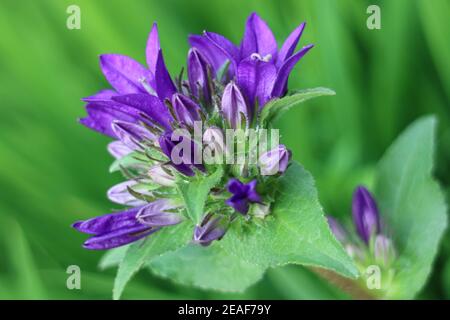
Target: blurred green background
point(54, 171)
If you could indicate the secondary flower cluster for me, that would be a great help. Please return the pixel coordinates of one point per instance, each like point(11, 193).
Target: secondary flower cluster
point(226, 87)
point(371, 243)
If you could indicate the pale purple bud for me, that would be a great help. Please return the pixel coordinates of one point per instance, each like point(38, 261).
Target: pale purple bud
point(119, 194)
point(131, 134)
point(186, 110)
point(197, 68)
point(157, 214)
point(233, 106)
point(160, 176)
point(118, 149)
point(383, 249)
point(274, 161)
point(213, 137)
point(211, 228)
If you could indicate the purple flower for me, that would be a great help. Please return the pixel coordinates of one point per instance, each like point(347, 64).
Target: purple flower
point(186, 110)
point(137, 90)
point(243, 194)
point(198, 68)
point(121, 228)
point(365, 214)
point(275, 161)
point(211, 228)
point(234, 107)
point(262, 71)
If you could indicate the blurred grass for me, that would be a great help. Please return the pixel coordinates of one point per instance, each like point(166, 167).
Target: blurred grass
point(54, 171)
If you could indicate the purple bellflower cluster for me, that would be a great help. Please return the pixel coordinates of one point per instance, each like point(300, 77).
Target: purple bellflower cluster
point(226, 87)
point(370, 244)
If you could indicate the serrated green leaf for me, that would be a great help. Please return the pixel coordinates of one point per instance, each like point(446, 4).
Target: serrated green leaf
point(195, 193)
point(207, 268)
point(112, 258)
point(412, 205)
point(277, 107)
point(295, 232)
point(164, 240)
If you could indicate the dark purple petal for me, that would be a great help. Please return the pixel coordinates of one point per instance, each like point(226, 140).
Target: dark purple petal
point(155, 214)
point(239, 204)
point(228, 48)
point(118, 238)
point(289, 45)
point(119, 194)
point(212, 228)
point(102, 114)
point(131, 134)
point(164, 84)
point(256, 79)
point(186, 110)
point(102, 95)
point(365, 214)
point(166, 144)
point(243, 194)
point(197, 67)
point(124, 74)
point(233, 106)
point(215, 55)
point(252, 195)
point(280, 86)
point(109, 222)
point(258, 38)
point(150, 105)
point(152, 49)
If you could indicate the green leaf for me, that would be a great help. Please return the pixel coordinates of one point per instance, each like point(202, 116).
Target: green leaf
point(112, 258)
point(277, 107)
point(295, 231)
point(195, 193)
point(412, 205)
point(167, 239)
point(207, 268)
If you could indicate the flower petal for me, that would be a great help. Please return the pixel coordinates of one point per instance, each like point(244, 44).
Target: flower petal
point(109, 222)
point(152, 49)
point(102, 95)
point(280, 86)
point(102, 114)
point(289, 45)
point(365, 214)
point(258, 38)
point(150, 105)
point(256, 78)
point(118, 238)
point(164, 84)
point(123, 73)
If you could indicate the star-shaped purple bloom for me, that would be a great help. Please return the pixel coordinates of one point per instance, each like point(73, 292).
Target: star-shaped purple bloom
point(243, 194)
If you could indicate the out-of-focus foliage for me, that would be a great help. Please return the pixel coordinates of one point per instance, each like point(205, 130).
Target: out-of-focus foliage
point(53, 171)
